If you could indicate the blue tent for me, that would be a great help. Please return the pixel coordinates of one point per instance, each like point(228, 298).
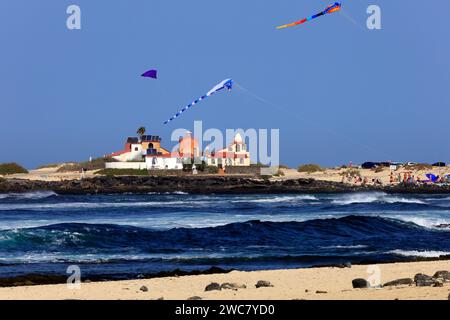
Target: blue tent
point(432, 177)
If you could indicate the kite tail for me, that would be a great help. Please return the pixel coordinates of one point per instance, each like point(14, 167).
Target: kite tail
point(228, 84)
point(193, 103)
point(292, 24)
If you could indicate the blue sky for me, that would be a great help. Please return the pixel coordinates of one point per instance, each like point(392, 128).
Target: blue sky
point(343, 93)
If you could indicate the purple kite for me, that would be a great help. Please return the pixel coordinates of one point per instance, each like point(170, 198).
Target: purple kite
point(150, 74)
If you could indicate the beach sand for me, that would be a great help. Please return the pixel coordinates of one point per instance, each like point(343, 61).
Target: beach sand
point(335, 175)
point(287, 284)
point(50, 174)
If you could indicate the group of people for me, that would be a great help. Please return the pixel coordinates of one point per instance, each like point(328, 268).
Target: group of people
point(410, 178)
point(358, 180)
point(407, 177)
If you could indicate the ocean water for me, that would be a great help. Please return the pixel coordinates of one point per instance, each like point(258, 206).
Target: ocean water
point(126, 236)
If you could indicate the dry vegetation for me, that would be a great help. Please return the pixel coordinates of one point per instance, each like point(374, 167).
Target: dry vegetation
point(11, 168)
point(310, 168)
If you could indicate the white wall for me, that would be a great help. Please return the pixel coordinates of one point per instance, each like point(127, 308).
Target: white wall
point(163, 163)
point(126, 165)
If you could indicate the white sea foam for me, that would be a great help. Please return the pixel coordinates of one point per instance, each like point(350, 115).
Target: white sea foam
point(99, 258)
point(168, 193)
point(280, 199)
point(34, 195)
point(369, 197)
point(358, 246)
point(95, 205)
point(417, 253)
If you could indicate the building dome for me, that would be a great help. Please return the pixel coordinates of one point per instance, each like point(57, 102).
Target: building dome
point(238, 138)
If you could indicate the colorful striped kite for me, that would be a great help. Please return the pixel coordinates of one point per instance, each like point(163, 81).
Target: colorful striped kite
point(225, 84)
point(332, 8)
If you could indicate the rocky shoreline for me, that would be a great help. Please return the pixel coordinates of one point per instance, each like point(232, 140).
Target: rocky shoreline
point(202, 185)
point(33, 279)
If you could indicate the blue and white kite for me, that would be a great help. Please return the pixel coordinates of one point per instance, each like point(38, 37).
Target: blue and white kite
point(225, 84)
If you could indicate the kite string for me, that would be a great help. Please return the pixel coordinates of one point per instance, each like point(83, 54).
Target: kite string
point(346, 15)
point(350, 140)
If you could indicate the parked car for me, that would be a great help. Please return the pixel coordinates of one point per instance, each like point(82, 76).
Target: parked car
point(369, 165)
point(439, 164)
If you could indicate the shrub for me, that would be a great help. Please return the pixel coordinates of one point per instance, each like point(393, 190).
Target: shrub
point(419, 166)
point(378, 169)
point(11, 168)
point(211, 169)
point(49, 166)
point(259, 165)
point(283, 166)
point(122, 172)
point(310, 168)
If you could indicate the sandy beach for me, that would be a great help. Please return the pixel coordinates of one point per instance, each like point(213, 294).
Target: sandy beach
point(311, 284)
point(50, 174)
point(335, 175)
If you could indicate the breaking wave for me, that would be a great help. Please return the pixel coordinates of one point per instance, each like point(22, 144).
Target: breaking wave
point(35, 195)
point(417, 253)
point(371, 197)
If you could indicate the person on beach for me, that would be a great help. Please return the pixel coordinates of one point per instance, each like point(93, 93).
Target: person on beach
point(365, 181)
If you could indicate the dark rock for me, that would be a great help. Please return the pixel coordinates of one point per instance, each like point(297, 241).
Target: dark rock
point(263, 283)
point(319, 291)
point(144, 289)
point(399, 282)
point(32, 279)
point(448, 296)
point(195, 298)
point(442, 275)
point(360, 283)
point(178, 272)
point(160, 298)
point(438, 284)
point(232, 286)
point(201, 185)
point(213, 286)
point(423, 280)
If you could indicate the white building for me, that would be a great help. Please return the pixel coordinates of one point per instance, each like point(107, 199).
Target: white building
point(236, 154)
point(170, 162)
point(148, 154)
